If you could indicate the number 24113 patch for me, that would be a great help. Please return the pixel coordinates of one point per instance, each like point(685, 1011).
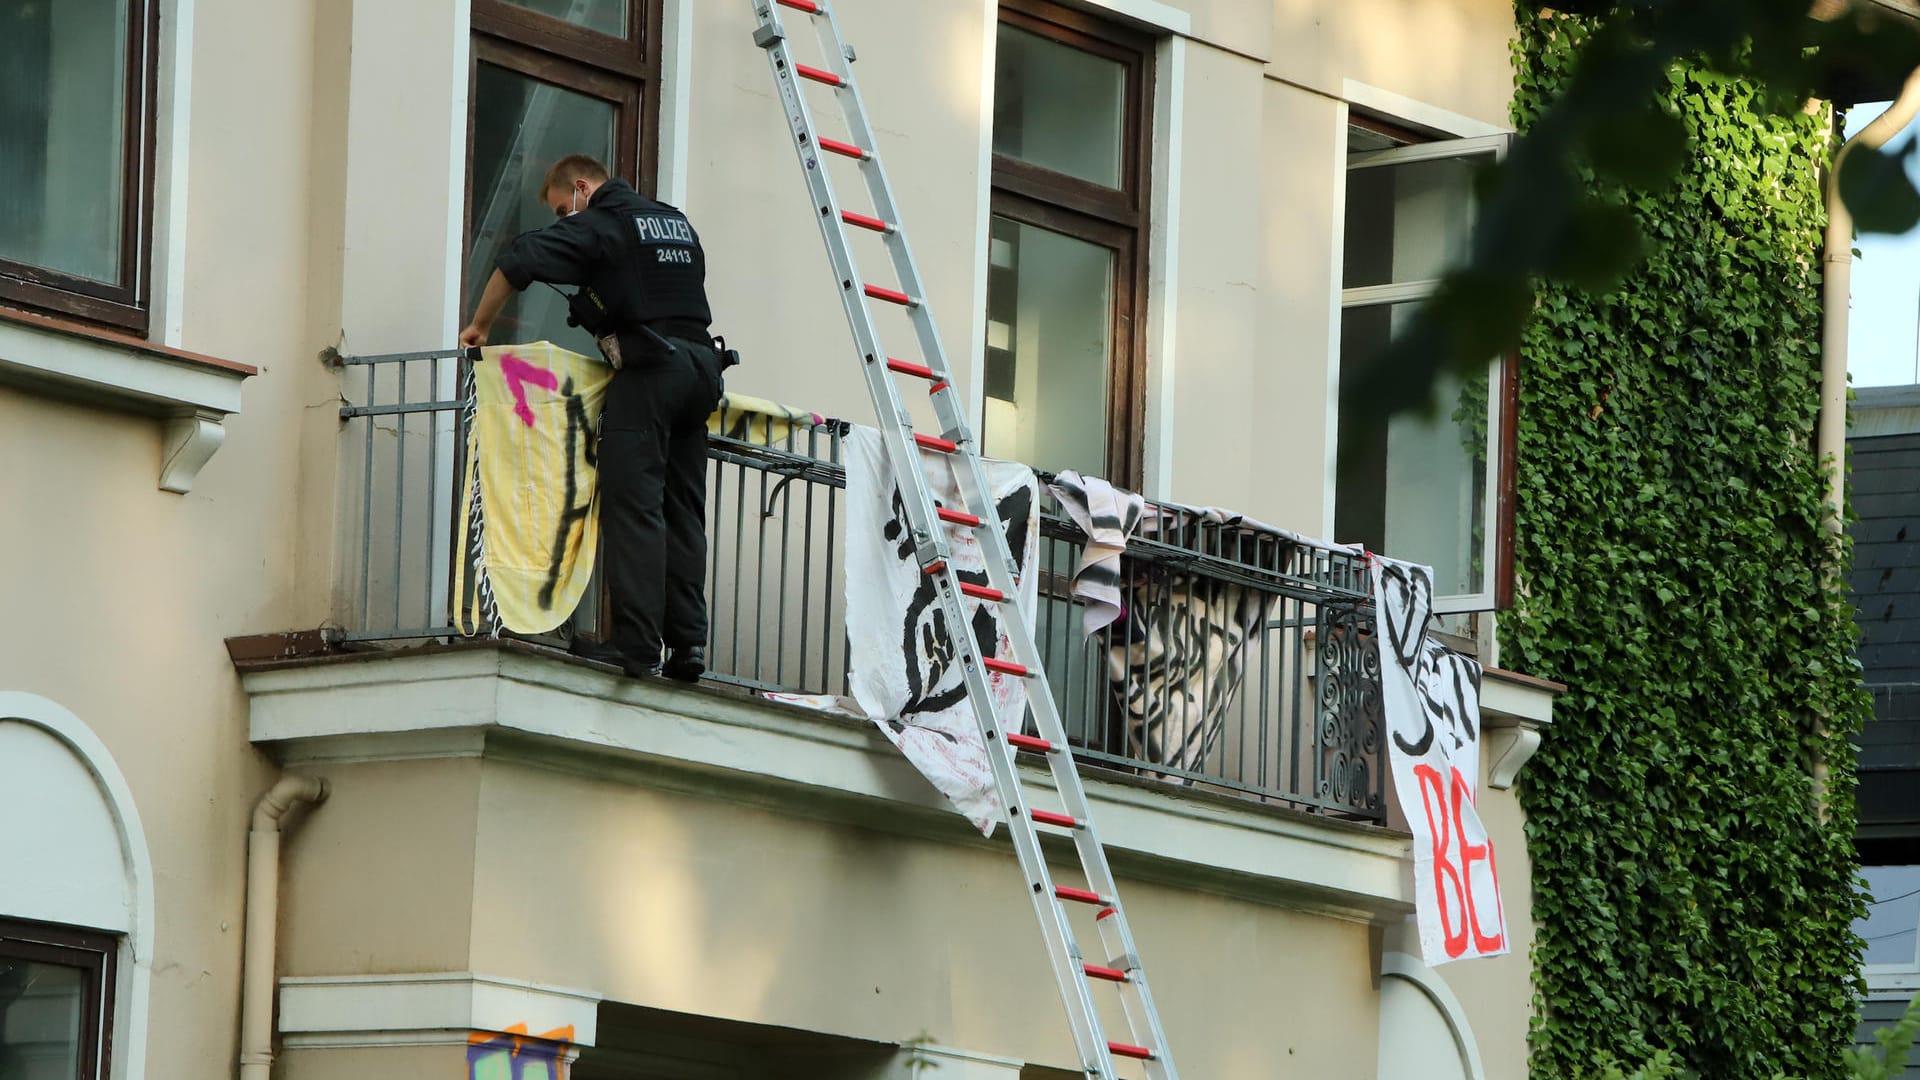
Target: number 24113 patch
point(672, 255)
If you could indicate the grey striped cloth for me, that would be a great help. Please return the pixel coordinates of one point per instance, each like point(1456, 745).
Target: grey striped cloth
point(1108, 516)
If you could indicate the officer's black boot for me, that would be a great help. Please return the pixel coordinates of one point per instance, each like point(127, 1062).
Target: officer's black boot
point(599, 652)
point(686, 665)
point(602, 653)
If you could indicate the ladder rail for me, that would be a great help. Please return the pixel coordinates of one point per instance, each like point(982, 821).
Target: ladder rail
point(1072, 970)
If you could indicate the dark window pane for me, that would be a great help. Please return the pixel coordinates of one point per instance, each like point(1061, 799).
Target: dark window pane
point(1058, 107)
point(602, 16)
point(520, 127)
point(63, 96)
point(42, 1007)
point(1407, 222)
point(1055, 297)
point(1415, 488)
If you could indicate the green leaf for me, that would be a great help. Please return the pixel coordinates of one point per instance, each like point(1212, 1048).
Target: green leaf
point(1600, 245)
point(1643, 148)
point(1878, 192)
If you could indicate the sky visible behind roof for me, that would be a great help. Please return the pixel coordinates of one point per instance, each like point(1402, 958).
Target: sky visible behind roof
point(1883, 337)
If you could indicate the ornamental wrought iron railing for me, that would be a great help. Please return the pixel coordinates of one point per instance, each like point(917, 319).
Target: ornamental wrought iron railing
point(1241, 664)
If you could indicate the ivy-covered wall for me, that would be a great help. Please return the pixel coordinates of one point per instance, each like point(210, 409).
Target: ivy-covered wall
point(1673, 572)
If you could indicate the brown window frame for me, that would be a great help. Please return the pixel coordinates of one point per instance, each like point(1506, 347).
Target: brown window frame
point(89, 950)
point(1114, 218)
point(624, 72)
point(1506, 441)
point(122, 304)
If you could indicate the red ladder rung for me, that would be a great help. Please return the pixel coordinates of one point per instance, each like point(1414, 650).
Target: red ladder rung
point(928, 442)
point(918, 371)
point(1078, 896)
point(1108, 913)
point(1095, 971)
point(939, 386)
point(865, 221)
point(958, 517)
point(982, 592)
point(1048, 817)
point(843, 149)
point(807, 6)
point(891, 296)
point(1140, 1053)
point(1042, 746)
point(1005, 667)
point(819, 76)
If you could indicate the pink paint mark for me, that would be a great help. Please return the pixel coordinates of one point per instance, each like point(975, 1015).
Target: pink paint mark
point(518, 373)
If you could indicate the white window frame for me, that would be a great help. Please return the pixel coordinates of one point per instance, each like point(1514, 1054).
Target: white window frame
point(1402, 292)
point(1904, 977)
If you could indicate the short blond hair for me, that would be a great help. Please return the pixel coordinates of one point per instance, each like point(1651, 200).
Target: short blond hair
point(570, 168)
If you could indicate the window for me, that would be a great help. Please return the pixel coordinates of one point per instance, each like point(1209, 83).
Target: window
point(1432, 489)
point(1891, 927)
point(1066, 259)
point(76, 147)
point(552, 78)
point(56, 994)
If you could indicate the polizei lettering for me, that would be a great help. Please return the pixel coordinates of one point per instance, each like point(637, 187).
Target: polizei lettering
point(663, 229)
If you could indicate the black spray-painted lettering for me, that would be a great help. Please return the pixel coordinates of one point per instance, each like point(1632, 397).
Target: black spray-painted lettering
point(1409, 603)
point(927, 646)
point(579, 434)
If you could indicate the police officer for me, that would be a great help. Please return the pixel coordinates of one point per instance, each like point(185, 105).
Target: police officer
point(643, 295)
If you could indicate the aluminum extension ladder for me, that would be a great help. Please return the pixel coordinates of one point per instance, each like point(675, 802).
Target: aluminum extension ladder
point(929, 521)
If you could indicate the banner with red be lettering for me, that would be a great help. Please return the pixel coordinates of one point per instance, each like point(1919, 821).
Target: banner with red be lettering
point(1431, 699)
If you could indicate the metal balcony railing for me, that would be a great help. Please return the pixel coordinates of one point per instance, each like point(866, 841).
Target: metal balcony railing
point(1241, 664)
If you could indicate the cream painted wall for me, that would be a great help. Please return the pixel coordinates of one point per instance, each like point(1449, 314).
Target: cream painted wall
point(378, 880)
point(119, 595)
point(1449, 54)
point(1221, 433)
point(373, 1063)
point(1299, 144)
point(708, 907)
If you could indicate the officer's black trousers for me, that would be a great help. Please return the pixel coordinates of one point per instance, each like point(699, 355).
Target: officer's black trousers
point(653, 492)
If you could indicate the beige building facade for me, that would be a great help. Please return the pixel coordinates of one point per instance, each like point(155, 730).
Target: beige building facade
point(1152, 231)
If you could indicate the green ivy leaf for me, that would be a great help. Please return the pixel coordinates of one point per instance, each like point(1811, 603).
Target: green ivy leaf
point(1644, 148)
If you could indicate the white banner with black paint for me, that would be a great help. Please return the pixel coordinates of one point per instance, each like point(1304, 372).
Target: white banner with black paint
point(1431, 698)
point(903, 669)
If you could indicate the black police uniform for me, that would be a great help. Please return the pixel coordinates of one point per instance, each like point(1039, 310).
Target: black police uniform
point(640, 264)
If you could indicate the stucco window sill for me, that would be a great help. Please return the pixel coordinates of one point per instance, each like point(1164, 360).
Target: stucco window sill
point(1515, 710)
point(519, 704)
point(191, 394)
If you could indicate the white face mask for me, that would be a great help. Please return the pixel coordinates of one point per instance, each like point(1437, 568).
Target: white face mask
point(575, 203)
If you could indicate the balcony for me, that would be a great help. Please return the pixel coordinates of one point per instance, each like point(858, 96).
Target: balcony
point(1291, 720)
point(574, 838)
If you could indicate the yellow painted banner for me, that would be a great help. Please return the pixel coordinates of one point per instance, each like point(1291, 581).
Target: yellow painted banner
point(759, 421)
point(529, 522)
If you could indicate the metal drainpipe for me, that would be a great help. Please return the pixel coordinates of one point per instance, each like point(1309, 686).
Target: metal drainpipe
point(1836, 291)
point(263, 919)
